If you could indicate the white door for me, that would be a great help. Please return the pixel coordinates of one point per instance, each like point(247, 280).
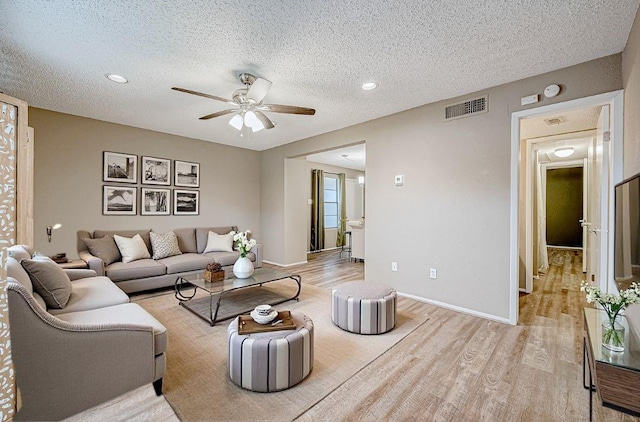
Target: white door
point(598, 207)
point(585, 210)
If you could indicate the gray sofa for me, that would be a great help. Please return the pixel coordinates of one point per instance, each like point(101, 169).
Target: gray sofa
point(147, 274)
point(94, 349)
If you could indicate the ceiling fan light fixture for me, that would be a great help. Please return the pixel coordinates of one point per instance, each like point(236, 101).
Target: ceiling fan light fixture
point(252, 121)
point(236, 121)
point(116, 78)
point(563, 152)
point(368, 86)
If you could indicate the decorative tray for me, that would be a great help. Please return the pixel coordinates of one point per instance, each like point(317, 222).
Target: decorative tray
point(246, 324)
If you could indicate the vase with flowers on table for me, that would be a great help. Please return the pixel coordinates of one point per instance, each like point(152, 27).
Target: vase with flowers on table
point(614, 305)
point(243, 268)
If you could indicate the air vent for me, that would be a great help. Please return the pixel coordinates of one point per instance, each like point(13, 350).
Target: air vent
point(555, 120)
point(467, 108)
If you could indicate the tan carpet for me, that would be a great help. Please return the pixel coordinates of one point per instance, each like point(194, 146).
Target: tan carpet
point(197, 384)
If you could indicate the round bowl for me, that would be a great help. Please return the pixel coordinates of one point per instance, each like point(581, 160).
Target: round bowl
point(263, 319)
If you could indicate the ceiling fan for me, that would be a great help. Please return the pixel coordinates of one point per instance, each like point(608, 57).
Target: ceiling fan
point(249, 107)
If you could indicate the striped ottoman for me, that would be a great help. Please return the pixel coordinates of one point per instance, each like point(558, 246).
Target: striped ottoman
point(274, 361)
point(364, 307)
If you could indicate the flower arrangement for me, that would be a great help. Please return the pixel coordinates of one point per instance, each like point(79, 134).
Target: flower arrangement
point(612, 332)
point(243, 243)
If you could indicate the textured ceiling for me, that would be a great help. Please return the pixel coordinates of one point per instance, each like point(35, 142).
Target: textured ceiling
point(316, 53)
point(355, 159)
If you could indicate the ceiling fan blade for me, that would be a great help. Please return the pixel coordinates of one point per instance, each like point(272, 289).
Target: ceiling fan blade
point(200, 94)
point(276, 108)
point(259, 89)
point(268, 124)
point(218, 114)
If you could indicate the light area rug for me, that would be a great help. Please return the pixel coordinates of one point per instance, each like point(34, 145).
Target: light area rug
point(197, 383)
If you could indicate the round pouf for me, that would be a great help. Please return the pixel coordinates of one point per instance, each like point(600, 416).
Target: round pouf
point(364, 307)
point(274, 361)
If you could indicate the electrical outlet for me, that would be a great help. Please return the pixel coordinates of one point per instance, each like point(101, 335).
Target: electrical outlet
point(394, 266)
point(433, 273)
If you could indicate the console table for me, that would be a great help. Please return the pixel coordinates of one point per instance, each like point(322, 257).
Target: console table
point(614, 376)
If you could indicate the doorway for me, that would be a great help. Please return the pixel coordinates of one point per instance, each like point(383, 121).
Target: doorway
point(606, 160)
point(343, 180)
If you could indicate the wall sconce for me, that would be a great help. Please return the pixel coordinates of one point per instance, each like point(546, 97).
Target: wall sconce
point(361, 180)
point(50, 230)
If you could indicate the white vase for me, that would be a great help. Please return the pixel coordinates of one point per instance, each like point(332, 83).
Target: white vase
point(243, 268)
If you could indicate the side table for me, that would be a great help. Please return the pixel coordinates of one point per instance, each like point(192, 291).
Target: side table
point(74, 264)
point(614, 376)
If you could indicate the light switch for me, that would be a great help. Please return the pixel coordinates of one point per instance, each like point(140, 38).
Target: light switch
point(309, 201)
point(399, 179)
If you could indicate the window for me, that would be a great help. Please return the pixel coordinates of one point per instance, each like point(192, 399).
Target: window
point(330, 203)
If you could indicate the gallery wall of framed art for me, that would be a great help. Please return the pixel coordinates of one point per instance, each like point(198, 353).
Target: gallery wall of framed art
point(123, 199)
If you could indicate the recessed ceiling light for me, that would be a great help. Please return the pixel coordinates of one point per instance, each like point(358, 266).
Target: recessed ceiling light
point(116, 78)
point(563, 152)
point(368, 86)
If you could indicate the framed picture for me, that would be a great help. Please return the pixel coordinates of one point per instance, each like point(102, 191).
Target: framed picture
point(186, 174)
point(186, 202)
point(119, 200)
point(118, 167)
point(155, 201)
point(156, 171)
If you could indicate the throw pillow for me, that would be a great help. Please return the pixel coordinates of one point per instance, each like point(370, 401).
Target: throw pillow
point(104, 248)
point(220, 242)
point(131, 249)
point(49, 281)
point(164, 245)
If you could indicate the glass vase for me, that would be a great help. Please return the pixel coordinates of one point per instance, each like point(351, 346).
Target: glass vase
point(613, 334)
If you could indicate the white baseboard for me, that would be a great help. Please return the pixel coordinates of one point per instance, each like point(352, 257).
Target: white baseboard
point(284, 265)
point(456, 308)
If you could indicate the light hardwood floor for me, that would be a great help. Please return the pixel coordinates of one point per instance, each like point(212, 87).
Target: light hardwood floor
point(457, 367)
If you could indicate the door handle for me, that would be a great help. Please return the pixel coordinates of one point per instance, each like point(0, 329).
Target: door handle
point(584, 223)
point(595, 230)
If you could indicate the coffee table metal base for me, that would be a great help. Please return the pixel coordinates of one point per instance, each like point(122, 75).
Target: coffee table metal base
point(212, 317)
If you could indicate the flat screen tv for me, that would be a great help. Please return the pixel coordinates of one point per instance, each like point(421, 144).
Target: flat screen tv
point(626, 267)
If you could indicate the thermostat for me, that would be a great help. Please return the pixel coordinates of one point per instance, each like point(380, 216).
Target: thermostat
point(551, 91)
point(399, 180)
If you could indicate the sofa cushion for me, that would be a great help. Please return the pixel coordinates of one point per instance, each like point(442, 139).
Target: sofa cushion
point(202, 235)
point(20, 252)
point(219, 242)
point(49, 281)
point(92, 293)
point(120, 271)
point(128, 313)
point(187, 240)
point(164, 245)
point(131, 249)
point(185, 262)
point(104, 248)
point(228, 258)
point(15, 270)
point(144, 234)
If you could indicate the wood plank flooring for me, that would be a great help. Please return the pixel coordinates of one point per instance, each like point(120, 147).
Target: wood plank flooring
point(456, 367)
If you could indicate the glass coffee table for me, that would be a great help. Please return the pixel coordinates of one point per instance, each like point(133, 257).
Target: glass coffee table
point(208, 308)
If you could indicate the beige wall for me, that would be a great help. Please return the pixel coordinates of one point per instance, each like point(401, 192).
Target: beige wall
point(452, 214)
point(68, 178)
point(631, 83)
